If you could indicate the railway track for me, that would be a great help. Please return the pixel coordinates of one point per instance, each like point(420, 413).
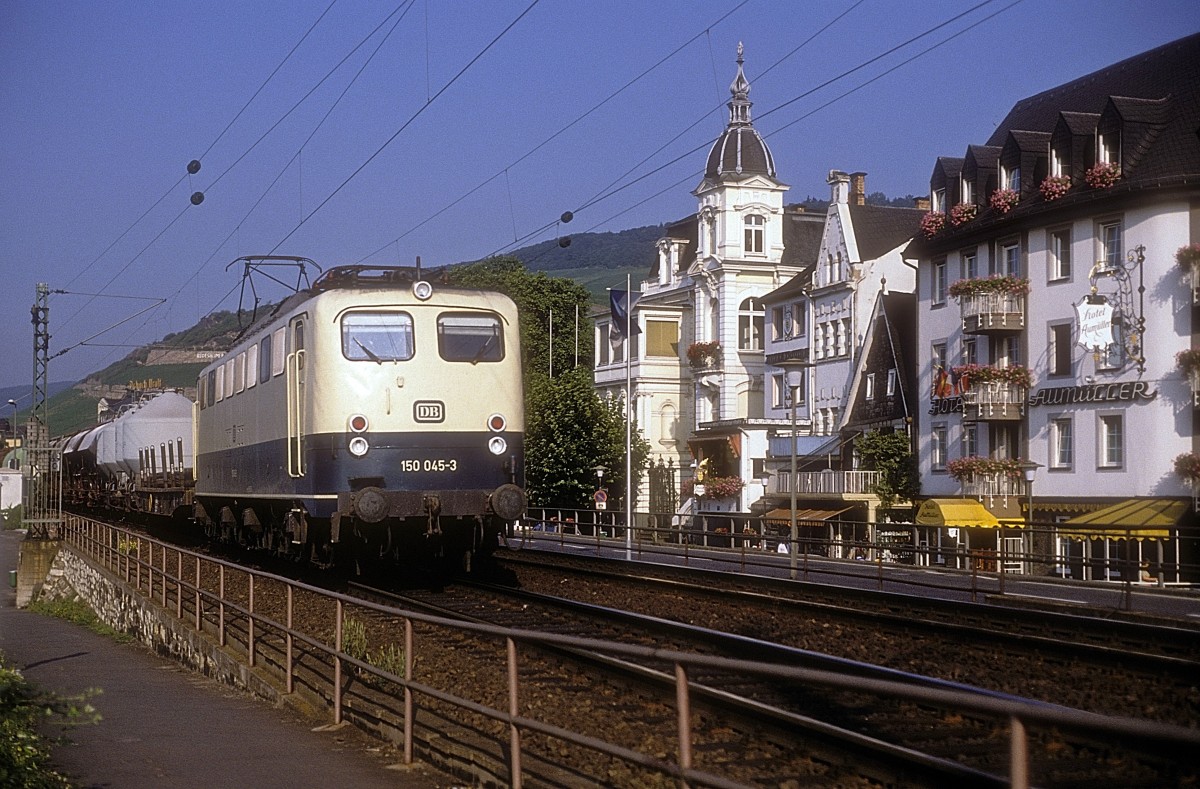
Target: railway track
point(851, 736)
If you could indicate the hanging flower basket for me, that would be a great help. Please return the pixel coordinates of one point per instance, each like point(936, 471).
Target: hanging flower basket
point(1187, 257)
point(1102, 175)
point(964, 469)
point(963, 213)
point(1003, 200)
point(1006, 285)
point(1187, 466)
point(1055, 186)
point(932, 223)
point(1014, 374)
point(701, 353)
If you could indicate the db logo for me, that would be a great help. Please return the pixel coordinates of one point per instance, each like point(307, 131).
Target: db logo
point(429, 411)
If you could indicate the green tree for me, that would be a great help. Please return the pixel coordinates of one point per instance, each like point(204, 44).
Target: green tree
point(571, 430)
point(540, 298)
point(891, 455)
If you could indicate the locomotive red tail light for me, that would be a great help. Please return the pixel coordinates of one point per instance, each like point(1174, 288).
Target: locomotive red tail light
point(358, 423)
point(496, 423)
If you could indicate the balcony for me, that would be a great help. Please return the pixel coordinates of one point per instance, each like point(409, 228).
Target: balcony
point(828, 483)
point(992, 312)
point(995, 401)
point(988, 478)
point(991, 486)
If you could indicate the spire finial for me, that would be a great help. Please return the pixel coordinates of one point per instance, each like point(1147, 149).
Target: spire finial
point(739, 105)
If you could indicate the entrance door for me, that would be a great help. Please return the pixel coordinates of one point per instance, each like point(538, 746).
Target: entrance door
point(296, 395)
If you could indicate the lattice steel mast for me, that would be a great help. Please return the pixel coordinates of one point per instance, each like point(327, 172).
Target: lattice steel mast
point(43, 464)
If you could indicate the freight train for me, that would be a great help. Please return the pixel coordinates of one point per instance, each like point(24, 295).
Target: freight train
point(372, 416)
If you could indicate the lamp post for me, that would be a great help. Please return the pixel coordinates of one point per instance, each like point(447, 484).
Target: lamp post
point(13, 425)
point(794, 370)
point(599, 487)
point(1029, 470)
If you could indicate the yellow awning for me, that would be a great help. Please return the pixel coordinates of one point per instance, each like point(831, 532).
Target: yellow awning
point(1136, 519)
point(803, 517)
point(960, 513)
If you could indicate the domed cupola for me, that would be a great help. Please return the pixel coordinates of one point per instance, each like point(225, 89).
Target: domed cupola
point(739, 151)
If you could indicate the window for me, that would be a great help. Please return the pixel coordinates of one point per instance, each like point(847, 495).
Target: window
point(1009, 351)
point(970, 351)
point(937, 446)
point(201, 391)
point(970, 265)
point(1108, 148)
point(379, 336)
point(662, 338)
point(966, 191)
point(1059, 352)
point(211, 388)
point(938, 286)
point(1009, 260)
point(754, 233)
point(750, 325)
point(229, 378)
point(1062, 453)
point(870, 386)
point(1011, 177)
point(251, 366)
point(220, 383)
point(1057, 165)
point(1060, 254)
point(891, 382)
point(264, 360)
point(1112, 441)
point(799, 320)
point(1108, 237)
point(781, 394)
point(278, 351)
point(462, 337)
point(780, 318)
point(603, 346)
point(937, 200)
point(939, 374)
point(239, 373)
point(970, 440)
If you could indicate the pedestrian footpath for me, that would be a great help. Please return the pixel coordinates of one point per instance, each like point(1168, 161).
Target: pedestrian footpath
point(163, 726)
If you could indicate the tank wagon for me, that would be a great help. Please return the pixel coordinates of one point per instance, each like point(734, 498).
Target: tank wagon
point(140, 460)
point(372, 414)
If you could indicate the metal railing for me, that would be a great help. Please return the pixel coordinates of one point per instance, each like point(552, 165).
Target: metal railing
point(992, 311)
point(826, 482)
point(169, 577)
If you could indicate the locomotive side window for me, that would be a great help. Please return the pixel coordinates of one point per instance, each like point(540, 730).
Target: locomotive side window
point(470, 337)
point(264, 360)
point(239, 373)
point(220, 383)
point(211, 388)
point(251, 366)
point(377, 336)
point(277, 351)
point(229, 378)
point(201, 391)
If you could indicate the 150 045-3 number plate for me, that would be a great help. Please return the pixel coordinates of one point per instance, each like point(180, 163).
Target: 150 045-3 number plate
point(439, 464)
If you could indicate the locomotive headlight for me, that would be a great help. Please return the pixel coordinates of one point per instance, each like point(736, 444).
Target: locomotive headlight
point(497, 422)
point(497, 445)
point(357, 423)
point(359, 446)
point(422, 290)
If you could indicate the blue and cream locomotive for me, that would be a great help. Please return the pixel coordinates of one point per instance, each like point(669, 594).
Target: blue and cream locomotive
point(372, 414)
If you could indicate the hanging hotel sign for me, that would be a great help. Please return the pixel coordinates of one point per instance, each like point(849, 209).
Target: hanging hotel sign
point(1095, 317)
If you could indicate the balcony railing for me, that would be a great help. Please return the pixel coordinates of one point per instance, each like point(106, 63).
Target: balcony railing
point(984, 312)
point(832, 483)
point(990, 401)
point(993, 486)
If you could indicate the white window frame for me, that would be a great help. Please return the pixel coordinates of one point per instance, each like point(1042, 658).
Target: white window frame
point(278, 350)
point(1056, 342)
point(937, 446)
point(891, 382)
point(1008, 259)
point(750, 324)
point(252, 366)
point(1058, 246)
point(870, 386)
point(969, 264)
point(1062, 442)
point(966, 190)
point(1110, 237)
point(1056, 162)
point(1110, 444)
point(938, 286)
point(970, 439)
point(755, 225)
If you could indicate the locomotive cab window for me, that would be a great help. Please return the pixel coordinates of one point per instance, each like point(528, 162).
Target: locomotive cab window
point(377, 336)
point(470, 337)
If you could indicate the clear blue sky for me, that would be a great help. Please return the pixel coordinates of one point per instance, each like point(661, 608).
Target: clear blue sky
point(102, 105)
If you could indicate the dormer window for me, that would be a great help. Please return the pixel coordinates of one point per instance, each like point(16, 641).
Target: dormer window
point(966, 191)
point(754, 234)
point(938, 200)
point(1011, 178)
point(1058, 165)
point(1108, 148)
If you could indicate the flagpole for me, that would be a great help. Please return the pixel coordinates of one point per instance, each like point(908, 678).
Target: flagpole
point(628, 422)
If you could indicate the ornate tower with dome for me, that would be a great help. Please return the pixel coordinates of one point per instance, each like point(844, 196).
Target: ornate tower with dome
point(697, 366)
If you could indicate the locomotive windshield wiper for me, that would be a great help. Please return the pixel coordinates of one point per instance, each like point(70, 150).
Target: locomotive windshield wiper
point(371, 354)
point(483, 349)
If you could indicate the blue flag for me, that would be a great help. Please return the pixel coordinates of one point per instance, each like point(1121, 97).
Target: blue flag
point(622, 301)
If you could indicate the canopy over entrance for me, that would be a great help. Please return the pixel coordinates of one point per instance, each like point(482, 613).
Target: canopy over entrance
point(1132, 519)
point(959, 513)
point(783, 516)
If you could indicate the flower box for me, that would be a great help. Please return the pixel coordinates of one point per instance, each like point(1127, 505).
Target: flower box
point(1055, 186)
point(967, 468)
point(1003, 200)
point(713, 487)
point(932, 223)
point(963, 213)
point(1005, 285)
point(703, 354)
point(1015, 374)
point(1102, 175)
point(1188, 260)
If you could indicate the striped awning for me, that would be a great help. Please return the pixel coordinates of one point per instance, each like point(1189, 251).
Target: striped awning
point(958, 513)
point(1132, 519)
point(809, 517)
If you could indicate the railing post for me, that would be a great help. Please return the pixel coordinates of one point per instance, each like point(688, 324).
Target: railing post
point(163, 579)
point(250, 625)
point(1018, 755)
point(198, 606)
point(289, 660)
point(409, 661)
point(684, 710)
point(179, 585)
point(221, 607)
point(337, 665)
point(514, 709)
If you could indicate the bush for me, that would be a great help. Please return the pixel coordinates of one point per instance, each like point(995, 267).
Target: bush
point(25, 754)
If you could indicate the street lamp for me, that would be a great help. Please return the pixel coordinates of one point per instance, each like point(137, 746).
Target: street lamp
point(794, 370)
point(1029, 469)
point(13, 426)
point(599, 487)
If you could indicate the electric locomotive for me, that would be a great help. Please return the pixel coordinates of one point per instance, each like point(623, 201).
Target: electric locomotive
point(372, 414)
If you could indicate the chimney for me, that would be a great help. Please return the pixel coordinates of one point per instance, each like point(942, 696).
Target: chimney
point(921, 203)
point(839, 184)
point(858, 188)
